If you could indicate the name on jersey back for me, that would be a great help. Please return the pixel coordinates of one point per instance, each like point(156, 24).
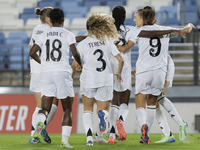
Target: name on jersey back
point(99, 43)
point(54, 34)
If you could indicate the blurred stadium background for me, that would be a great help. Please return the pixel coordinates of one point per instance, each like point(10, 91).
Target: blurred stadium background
point(17, 20)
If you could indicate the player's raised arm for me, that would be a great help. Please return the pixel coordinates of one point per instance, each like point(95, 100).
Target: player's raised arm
point(33, 53)
point(125, 47)
point(157, 33)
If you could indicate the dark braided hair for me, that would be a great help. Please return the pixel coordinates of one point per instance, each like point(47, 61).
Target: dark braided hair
point(119, 14)
point(56, 15)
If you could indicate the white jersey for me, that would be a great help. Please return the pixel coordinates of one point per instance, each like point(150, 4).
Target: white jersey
point(37, 31)
point(153, 52)
point(54, 44)
point(97, 71)
point(128, 33)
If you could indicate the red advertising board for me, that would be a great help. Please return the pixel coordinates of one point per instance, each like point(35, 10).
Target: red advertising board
point(16, 114)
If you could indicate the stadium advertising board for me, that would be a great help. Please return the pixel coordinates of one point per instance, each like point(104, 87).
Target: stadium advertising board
point(16, 114)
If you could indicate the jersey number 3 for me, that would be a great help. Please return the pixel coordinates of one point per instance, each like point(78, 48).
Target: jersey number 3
point(53, 50)
point(100, 59)
point(158, 46)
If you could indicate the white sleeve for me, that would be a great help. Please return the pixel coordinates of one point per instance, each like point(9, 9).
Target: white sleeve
point(80, 49)
point(39, 40)
point(114, 49)
point(134, 34)
point(71, 38)
point(32, 38)
point(31, 41)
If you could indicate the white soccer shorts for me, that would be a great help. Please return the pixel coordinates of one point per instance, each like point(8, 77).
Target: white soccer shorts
point(104, 93)
point(35, 82)
point(151, 82)
point(126, 77)
point(57, 84)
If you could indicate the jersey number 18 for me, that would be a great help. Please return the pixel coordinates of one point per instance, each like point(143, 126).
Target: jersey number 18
point(50, 54)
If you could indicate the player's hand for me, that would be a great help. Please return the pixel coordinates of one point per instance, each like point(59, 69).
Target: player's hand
point(133, 72)
point(119, 78)
point(78, 68)
point(191, 26)
point(179, 32)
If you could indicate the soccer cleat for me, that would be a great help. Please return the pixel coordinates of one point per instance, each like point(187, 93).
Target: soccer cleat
point(102, 124)
point(121, 131)
point(31, 140)
point(66, 145)
point(36, 134)
point(145, 137)
point(108, 135)
point(141, 140)
point(89, 143)
point(167, 139)
point(118, 138)
point(111, 140)
point(183, 131)
point(45, 136)
point(99, 139)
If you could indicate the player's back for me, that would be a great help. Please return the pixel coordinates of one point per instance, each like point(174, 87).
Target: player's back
point(96, 57)
point(55, 49)
point(152, 51)
point(37, 32)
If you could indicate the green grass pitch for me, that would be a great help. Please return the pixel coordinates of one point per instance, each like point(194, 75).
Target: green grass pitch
point(78, 141)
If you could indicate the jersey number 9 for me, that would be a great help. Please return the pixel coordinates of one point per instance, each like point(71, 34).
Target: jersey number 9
point(158, 46)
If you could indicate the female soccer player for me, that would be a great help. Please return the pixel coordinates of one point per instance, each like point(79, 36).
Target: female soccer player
point(96, 80)
point(151, 68)
point(129, 35)
point(36, 74)
point(166, 103)
point(56, 78)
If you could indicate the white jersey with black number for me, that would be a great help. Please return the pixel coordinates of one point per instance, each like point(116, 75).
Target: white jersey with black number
point(153, 52)
point(55, 44)
point(128, 33)
point(97, 71)
point(37, 32)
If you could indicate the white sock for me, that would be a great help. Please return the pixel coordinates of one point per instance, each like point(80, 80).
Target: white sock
point(113, 116)
point(41, 118)
point(167, 104)
point(141, 116)
point(34, 119)
point(51, 114)
point(150, 114)
point(88, 122)
point(66, 130)
point(106, 114)
point(123, 111)
point(89, 138)
point(162, 121)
